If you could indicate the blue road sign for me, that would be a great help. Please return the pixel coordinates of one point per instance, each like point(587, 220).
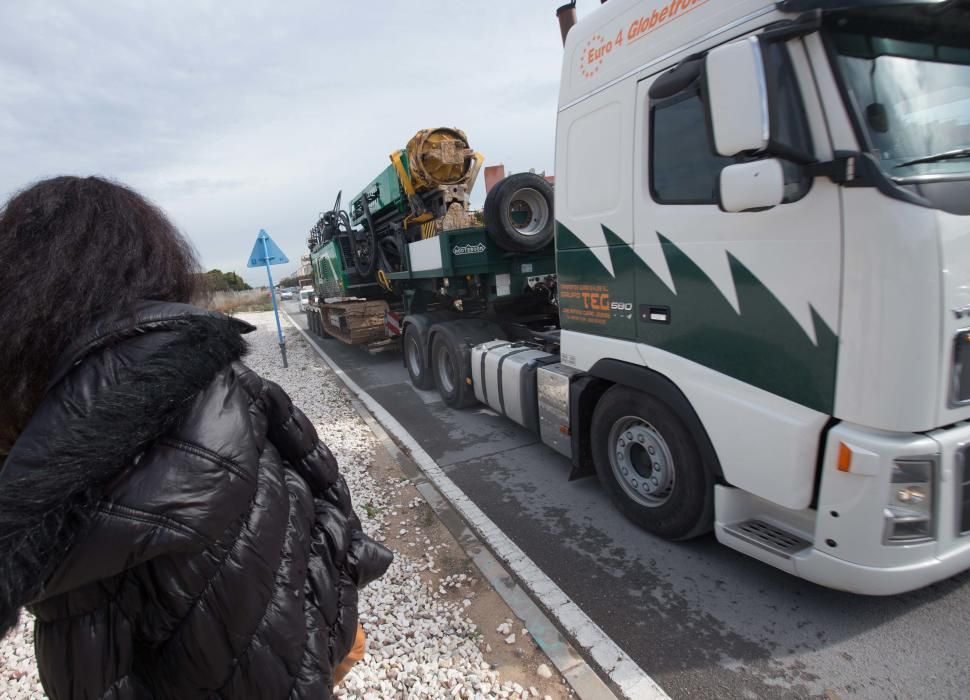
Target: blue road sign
point(267, 253)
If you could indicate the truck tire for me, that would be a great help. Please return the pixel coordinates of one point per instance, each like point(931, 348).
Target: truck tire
point(648, 463)
point(415, 352)
point(451, 366)
point(519, 214)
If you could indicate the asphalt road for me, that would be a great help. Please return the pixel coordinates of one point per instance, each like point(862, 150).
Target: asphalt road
point(703, 620)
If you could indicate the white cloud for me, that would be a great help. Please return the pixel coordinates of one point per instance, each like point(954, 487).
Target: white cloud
point(240, 116)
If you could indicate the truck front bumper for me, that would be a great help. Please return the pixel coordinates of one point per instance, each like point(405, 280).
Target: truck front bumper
point(845, 541)
point(832, 572)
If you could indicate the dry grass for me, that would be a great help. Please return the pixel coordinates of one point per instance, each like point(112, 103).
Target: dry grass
point(235, 302)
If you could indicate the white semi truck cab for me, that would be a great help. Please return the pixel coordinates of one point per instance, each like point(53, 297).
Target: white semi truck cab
point(756, 318)
point(763, 256)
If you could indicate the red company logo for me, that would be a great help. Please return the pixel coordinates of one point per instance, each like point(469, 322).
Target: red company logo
point(595, 51)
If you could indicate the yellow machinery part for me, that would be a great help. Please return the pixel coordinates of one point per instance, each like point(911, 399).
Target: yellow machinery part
point(402, 174)
point(384, 280)
point(439, 156)
point(419, 219)
point(477, 161)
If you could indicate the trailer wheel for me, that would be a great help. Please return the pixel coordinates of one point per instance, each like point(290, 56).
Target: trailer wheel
point(518, 213)
point(318, 325)
point(414, 357)
point(648, 463)
point(452, 368)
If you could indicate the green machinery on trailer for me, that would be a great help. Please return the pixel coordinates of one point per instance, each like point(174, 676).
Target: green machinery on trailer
point(410, 240)
point(365, 250)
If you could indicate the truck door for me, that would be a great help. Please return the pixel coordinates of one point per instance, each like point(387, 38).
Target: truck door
point(740, 310)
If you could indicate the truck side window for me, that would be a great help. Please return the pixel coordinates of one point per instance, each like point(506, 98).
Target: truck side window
point(684, 167)
point(789, 128)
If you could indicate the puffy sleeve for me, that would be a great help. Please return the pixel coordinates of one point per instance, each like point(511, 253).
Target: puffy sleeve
point(295, 438)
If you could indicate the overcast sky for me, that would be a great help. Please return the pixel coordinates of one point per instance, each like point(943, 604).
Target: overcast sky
point(236, 116)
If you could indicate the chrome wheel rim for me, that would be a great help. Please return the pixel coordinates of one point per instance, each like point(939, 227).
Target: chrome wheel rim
point(446, 369)
point(528, 211)
point(641, 461)
point(414, 356)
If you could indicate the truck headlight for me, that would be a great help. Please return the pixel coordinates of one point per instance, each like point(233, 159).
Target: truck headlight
point(909, 513)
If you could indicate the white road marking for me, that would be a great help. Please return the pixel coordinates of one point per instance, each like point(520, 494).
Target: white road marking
point(632, 680)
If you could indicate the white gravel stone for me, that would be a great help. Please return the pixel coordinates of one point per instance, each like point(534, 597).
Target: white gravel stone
point(409, 629)
point(18, 672)
point(544, 671)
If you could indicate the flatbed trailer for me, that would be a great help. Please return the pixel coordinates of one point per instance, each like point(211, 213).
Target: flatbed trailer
point(457, 281)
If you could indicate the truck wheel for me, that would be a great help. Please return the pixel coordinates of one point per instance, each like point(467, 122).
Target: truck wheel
point(451, 366)
point(518, 213)
point(648, 463)
point(318, 326)
point(414, 357)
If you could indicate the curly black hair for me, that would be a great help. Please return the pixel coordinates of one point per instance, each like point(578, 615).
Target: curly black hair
point(72, 249)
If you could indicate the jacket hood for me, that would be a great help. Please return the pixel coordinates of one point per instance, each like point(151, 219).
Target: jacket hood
point(119, 388)
point(149, 317)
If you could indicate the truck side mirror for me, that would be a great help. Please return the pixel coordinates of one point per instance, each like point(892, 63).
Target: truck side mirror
point(737, 96)
point(756, 185)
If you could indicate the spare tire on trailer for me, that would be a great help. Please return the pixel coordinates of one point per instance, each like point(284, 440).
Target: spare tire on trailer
point(519, 213)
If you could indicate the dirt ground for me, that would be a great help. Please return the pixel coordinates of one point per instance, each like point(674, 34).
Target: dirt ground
point(456, 578)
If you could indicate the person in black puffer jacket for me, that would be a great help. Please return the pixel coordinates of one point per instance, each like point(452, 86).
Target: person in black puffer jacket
point(169, 517)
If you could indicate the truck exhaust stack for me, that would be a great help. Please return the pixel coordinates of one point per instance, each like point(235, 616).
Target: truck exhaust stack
point(567, 18)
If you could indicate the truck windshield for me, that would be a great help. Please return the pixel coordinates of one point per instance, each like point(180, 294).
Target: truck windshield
point(908, 77)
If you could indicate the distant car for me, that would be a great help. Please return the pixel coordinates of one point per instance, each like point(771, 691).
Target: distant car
point(286, 294)
point(306, 298)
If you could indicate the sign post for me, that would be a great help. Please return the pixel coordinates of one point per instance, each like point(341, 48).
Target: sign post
point(267, 253)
